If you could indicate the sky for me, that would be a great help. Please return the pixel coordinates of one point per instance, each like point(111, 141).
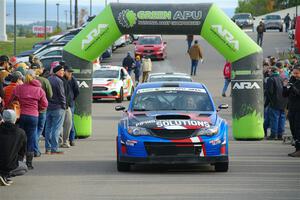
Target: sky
point(29, 11)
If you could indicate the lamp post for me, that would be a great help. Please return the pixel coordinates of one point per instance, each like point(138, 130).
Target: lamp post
point(57, 13)
point(91, 3)
point(66, 13)
point(45, 22)
point(71, 13)
point(76, 13)
point(15, 27)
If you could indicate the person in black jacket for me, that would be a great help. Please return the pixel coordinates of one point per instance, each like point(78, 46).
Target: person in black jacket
point(128, 62)
point(260, 33)
point(291, 89)
point(277, 104)
point(74, 92)
point(12, 149)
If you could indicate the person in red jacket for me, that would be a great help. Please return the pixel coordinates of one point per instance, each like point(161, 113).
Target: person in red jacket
point(227, 77)
point(32, 99)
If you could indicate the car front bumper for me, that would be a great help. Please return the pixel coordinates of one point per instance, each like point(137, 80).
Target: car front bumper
point(174, 159)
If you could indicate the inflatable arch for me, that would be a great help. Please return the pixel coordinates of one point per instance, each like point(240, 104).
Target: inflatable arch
point(207, 20)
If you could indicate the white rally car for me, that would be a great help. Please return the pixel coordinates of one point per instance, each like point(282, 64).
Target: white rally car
point(112, 82)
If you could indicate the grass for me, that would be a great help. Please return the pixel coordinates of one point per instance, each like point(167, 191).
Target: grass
point(23, 44)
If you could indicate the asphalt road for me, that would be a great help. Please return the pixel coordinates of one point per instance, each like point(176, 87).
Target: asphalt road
point(258, 169)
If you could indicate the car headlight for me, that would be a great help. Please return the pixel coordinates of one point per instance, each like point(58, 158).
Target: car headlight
point(213, 130)
point(137, 131)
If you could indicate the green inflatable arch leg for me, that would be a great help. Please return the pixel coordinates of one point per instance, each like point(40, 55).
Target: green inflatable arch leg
point(177, 19)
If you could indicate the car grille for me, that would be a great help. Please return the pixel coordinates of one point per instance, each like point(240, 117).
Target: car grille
point(97, 88)
point(172, 134)
point(173, 149)
point(148, 51)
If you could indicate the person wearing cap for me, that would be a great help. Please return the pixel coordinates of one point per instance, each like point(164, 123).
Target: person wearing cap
point(12, 149)
point(146, 67)
point(16, 79)
point(56, 111)
point(73, 94)
point(137, 69)
point(3, 64)
point(67, 124)
point(196, 54)
point(128, 62)
point(32, 99)
point(39, 70)
point(277, 105)
point(282, 72)
point(291, 89)
point(4, 67)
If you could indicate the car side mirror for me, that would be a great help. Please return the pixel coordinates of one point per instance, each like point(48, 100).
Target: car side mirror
point(120, 108)
point(223, 107)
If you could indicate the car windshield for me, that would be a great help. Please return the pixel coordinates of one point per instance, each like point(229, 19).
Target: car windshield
point(106, 74)
point(242, 16)
point(169, 79)
point(149, 40)
point(168, 98)
point(268, 17)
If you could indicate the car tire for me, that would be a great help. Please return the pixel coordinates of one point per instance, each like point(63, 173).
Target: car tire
point(119, 100)
point(129, 97)
point(123, 167)
point(221, 167)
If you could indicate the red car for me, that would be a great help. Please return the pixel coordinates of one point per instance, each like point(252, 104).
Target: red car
point(152, 46)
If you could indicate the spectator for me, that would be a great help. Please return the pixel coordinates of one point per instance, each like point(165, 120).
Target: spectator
point(227, 77)
point(273, 61)
point(277, 105)
point(12, 149)
point(260, 33)
point(195, 53)
point(282, 72)
point(291, 89)
point(74, 92)
point(267, 74)
point(287, 67)
point(55, 112)
point(128, 62)
point(189, 39)
point(4, 67)
point(287, 20)
point(67, 124)
point(16, 79)
point(32, 99)
point(147, 67)
point(43, 113)
point(137, 69)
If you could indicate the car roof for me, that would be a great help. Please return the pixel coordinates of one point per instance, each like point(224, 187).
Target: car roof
point(150, 36)
point(171, 84)
point(171, 74)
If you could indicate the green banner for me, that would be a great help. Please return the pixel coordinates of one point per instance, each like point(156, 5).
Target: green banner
point(223, 34)
point(96, 37)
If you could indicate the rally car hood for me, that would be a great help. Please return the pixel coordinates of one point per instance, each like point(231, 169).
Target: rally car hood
point(103, 81)
point(172, 120)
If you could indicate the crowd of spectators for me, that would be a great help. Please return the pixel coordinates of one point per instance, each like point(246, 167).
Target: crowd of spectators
point(34, 101)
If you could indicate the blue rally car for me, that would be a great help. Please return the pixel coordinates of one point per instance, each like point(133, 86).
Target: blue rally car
point(172, 123)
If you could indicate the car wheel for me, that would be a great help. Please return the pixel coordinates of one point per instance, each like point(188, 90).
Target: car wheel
point(280, 30)
point(123, 167)
point(119, 100)
point(221, 167)
point(129, 97)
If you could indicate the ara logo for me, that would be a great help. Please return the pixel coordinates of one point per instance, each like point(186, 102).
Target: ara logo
point(83, 84)
point(226, 36)
point(245, 85)
point(95, 33)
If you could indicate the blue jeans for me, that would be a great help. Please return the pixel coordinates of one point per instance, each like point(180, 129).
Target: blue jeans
point(40, 129)
point(189, 42)
point(277, 122)
point(266, 120)
point(29, 124)
point(226, 84)
point(55, 120)
point(72, 132)
point(194, 67)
